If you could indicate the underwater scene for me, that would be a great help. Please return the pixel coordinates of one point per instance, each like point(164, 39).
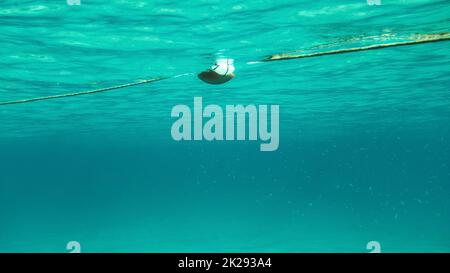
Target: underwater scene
point(225, 126)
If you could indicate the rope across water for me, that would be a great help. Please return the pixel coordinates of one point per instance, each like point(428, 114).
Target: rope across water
point(84, 92)
point(424, 38)
point(428, 38)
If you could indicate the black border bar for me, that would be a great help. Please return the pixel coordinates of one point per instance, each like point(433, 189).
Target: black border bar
point(227, 262)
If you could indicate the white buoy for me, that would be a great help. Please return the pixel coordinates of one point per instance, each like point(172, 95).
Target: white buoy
point(221, 72)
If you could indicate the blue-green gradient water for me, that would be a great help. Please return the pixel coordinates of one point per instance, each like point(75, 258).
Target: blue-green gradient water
point(364, 148)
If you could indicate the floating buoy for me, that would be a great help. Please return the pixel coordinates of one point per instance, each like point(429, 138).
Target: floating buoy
point(220, 72)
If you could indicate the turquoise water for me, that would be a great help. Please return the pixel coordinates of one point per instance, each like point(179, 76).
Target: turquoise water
point(364, 148)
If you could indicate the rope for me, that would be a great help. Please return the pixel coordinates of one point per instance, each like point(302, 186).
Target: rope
point(85, 92)
point(429, 38)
